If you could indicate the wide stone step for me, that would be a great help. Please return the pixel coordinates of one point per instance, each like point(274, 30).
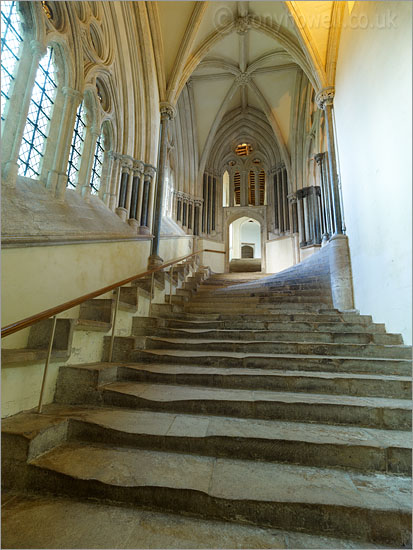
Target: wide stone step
point(141, 323)
point(369, 412)
point(254, 309)
point(365, 365)
point(270, 379)
point(127, 527)
point(274, 335)
point(302, 348)
point(306, 444)
point(270, 298)
point(366, 506)
point(284, 315)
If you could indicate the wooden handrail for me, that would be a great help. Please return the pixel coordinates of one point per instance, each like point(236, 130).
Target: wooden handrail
point(28, 321)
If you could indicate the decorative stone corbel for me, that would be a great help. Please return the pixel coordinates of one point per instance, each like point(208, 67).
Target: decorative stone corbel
point(325, 97)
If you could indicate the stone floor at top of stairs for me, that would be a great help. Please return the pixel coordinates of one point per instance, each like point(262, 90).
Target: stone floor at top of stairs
point(68, 523)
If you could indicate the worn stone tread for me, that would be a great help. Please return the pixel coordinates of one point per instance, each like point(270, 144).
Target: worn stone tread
point(161, 392)
point(77, 524)
point(229, 479)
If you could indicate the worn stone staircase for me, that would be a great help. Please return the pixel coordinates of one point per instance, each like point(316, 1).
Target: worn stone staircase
point(248, 399)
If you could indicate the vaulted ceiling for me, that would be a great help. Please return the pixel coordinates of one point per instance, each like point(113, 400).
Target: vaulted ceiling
point(242, 57)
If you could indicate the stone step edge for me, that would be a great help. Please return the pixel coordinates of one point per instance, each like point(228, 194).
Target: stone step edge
point(385, 524)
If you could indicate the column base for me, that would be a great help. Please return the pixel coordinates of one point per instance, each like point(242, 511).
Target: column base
point(134, 224)
point(154, 261)
point(122, 213)
point(143, 230)
point(341, 279)
point(9, 173)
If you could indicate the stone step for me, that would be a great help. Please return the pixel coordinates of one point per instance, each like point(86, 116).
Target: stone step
point(365, 506)
point(253, 309)
point(368, 412)
point(248, 301)
point(270, 379)
point(134, 527)
point(141, 323)
point(365, 365)
point(324, 446)
point(320, 445)
point(327, 316)
point(273, 335)
point(302, 348)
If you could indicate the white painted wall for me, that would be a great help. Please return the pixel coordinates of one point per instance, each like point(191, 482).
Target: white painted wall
point(279, 254)
point(250, 233)
point(373, 116)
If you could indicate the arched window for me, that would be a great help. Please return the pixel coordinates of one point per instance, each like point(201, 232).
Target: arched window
point(76, 148)
point(261, 181)
point(11, 41)
point(225, 189)
point(251, 188)
point(97, 165)
point(38, 119)
point(237, 188)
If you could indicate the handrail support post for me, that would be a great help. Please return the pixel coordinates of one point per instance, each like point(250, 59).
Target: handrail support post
point(151, 294)
point(46, 366)
point(171, 280)
point(115, 314)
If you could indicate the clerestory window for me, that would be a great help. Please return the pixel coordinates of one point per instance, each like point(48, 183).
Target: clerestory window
point(11, 41)
point(76, 148)
point(38, 119)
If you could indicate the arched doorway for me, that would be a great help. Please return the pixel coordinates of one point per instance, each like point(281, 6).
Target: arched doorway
point(245, 245)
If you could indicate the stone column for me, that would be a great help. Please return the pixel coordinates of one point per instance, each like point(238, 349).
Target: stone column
point(325, 206)
point(115, 180)
point(138, 168)
point(280, 201)
point(57, 174)
point(324, 100)
point(149, 173)
point(285, 199)
point(126, 167)
point(85, 168)
point(152, 188)
point(17, 109)
point(167, 114)
point(105, 177)
point(214, 204)
point(292, 198)
point(275, 203)
point(300, 216)
point(141, 170)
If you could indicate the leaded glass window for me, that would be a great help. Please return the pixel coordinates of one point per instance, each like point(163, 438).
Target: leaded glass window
point(97, 166)
point(38, 118)
point(76, 148)
point(11, 40)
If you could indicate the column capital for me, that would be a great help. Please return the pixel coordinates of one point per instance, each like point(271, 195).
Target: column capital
point(149, 171)
point(139, 166)
point(292, 198)
point(325, 97)
point(127, 162)
point(167, 110)
point(38, 49)
point(72, 93)
point(319, 158)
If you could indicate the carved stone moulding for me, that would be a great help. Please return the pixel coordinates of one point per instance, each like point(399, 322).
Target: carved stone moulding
point(325, 97)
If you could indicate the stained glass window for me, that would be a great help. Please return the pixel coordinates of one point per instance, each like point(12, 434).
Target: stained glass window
point(11, 40)
point(76, 148)
point(38, 119)
point(97, 166)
